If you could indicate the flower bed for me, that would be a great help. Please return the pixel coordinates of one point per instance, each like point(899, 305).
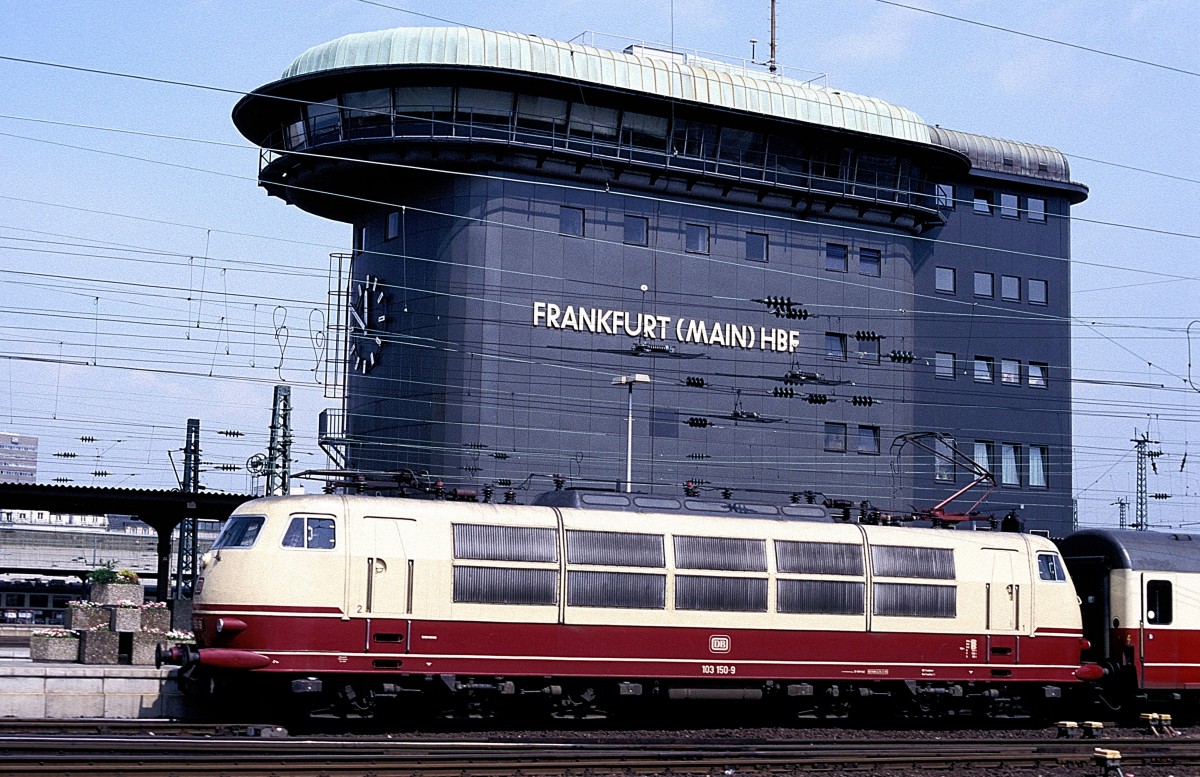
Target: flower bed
point(85, 615)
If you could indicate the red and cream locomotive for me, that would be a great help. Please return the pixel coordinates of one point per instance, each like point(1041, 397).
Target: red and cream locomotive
point(588, 600)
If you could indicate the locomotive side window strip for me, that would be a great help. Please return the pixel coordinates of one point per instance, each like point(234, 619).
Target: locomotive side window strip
point(819, 558)
point(724, 553)
point(916, 600)
point(310, 532)
point(617, 589)
point(901, 561)
point(722, 594)
point(240, 531)
point(504, 543)
point(498, 585)
point(827, 597)
point(618, 549)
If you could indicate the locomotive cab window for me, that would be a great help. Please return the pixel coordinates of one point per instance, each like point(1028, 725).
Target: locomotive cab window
point(310, 532)
point(1159, 607)
point(240, 531)
point(1050, 567)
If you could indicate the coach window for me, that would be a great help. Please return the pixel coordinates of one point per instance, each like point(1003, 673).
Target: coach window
point(1159, 607)
point(240, 531)
point(310, 532)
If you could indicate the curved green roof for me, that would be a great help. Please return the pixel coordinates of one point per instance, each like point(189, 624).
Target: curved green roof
point(674, 76)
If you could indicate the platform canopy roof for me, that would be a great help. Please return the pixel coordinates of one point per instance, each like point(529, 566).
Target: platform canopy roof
point(664, 74)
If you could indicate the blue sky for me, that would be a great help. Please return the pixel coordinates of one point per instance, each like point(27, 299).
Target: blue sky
point(219, 290)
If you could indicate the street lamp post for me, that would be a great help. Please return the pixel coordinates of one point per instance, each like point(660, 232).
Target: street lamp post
point(630, 381)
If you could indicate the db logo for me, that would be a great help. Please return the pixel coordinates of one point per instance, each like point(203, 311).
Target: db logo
point(718, 643)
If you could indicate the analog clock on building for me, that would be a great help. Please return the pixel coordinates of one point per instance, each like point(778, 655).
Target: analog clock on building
point(366, 319)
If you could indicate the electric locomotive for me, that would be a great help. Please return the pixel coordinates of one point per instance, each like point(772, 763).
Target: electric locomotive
point(588, 601)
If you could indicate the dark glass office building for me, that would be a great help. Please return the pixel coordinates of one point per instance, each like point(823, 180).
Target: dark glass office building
point(778, 279)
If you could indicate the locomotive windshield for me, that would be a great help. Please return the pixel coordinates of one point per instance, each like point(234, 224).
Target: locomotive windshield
point(240, 531)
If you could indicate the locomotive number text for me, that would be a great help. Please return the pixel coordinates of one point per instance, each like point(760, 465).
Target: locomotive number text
point(718, 669)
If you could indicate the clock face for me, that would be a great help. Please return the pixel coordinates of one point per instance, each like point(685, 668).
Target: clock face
point(367, 319)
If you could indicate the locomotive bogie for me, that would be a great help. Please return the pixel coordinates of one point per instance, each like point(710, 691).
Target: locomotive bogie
point(495, 598)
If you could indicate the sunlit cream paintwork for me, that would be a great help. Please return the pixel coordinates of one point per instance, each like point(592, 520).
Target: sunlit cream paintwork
point(309, 609)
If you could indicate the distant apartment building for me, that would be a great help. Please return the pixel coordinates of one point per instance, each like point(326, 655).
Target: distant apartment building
point(18, 458)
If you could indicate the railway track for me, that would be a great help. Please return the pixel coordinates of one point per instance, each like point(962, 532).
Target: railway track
point(252, 752)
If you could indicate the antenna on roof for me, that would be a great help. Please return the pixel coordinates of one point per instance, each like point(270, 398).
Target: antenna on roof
point(771, 62)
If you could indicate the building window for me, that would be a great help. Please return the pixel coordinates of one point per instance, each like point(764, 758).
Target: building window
point(1036, 208)
point(944, 280)
point(985, 284)
point(943, 460)
point(868, 440)
point(945, 196)
point(393, 225)
point(835, 346)
point(868, 351)
point(984, 454)
point(943, 365)
point(570, 221)
point(1010, 372)
point(362, 238)
point(1010, 456)
point(985, 367)
point(757, 247)
point(637, 231)
point(835, 437)
point(983, 202)
point(1037, 374)
point(1037, 466)
point(1009, 207)
point(835, 257)
point(870, 262)
point(696, 239)
point(1010, 288)
point(1037, 292)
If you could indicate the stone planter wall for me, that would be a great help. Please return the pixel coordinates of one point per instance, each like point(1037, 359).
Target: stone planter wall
point(157, 619)
point(54, 649)
point(99, 647)
point(111, 593)
point(144, 644)
point(126, 619)
point(82, 618)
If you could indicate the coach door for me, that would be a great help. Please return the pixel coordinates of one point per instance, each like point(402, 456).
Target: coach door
point(1003, 606)
point(1162, 664)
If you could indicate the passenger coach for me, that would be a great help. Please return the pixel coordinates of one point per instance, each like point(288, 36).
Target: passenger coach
point(589, 597)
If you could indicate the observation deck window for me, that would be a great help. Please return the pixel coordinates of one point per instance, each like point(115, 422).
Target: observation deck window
point(420, 108)
point(323, 121)
point(484, 106)
point(591, 123)
point(694, 139)
point(368, 114)
point(644, 131)
point(541, 114)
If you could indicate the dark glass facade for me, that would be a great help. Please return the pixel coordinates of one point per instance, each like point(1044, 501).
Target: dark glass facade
point(522, 241)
